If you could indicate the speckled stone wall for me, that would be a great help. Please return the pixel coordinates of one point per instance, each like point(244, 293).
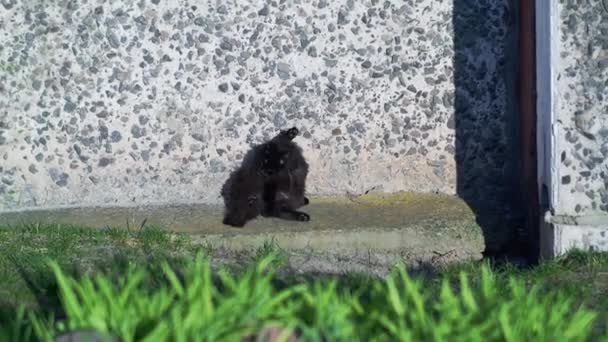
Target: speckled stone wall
point(150, 101)
point(582, 108)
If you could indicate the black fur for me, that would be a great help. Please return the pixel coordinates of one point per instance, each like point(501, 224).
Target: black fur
point(270, 181)
point(242, 195)
point(284, 190)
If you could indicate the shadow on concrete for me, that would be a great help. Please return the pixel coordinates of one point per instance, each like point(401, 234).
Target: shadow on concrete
point(486, 120)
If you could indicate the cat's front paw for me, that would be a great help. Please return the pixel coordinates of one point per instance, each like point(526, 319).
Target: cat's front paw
point(303, 217)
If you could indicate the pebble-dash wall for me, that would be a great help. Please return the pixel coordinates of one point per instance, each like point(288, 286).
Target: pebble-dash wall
point(153, 101)
point(582, 108)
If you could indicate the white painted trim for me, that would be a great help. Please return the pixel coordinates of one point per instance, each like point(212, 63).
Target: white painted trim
point(583, 237)
point(547, 38)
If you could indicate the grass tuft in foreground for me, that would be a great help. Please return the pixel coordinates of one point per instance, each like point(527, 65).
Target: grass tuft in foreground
point(539, 302)
point(200, 305)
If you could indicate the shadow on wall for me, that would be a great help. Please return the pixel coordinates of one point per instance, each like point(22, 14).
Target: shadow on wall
point(485, 65)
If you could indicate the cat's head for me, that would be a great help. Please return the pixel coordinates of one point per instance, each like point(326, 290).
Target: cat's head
point(244, 209)
point(273, 159)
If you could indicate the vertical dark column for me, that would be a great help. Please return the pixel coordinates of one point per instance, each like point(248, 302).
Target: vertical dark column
point(487, 120)
point(527, 126)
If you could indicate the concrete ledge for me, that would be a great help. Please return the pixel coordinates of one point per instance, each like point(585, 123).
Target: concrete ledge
point(559, 234)
point(405, 226)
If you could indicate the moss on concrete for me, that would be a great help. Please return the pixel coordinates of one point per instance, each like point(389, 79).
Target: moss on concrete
point(412, 225)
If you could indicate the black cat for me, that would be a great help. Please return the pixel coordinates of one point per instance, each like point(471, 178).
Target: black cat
point(284, 190)
point(270, 181)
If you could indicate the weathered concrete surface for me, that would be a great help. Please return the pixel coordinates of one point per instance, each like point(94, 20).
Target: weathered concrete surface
point(562, 235)
point(573, 130)
point(412, 227)
point(121, 103)
point(581, 126)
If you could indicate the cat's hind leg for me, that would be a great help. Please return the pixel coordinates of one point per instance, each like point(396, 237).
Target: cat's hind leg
point(288, 214)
